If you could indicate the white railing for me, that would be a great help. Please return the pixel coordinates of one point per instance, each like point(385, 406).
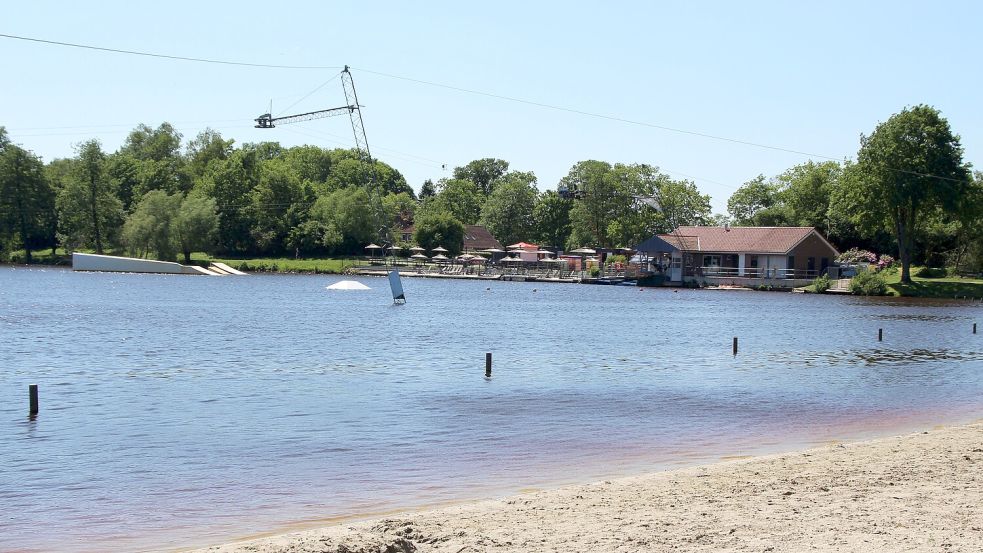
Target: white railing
point(756, 272)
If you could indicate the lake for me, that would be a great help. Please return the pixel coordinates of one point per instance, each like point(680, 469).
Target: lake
point(180, 411)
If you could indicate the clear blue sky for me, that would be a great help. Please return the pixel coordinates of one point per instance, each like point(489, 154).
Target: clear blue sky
point(804, 76)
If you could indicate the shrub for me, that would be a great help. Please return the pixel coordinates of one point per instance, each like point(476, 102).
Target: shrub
point(855, 255)
point(868, 283)
point(595, 271)
point(930, 272)
point(884, 261)
point(821, 284)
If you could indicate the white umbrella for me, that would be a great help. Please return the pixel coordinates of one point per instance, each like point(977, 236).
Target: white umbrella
point(440, 249)
point(418, 256)
point(493, 250)
point(440, 257)
point(373, 247)
point(587, 251)
point(417, 249)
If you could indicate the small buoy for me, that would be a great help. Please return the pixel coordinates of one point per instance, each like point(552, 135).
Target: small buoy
point(487, 289)
point(533, 289)
point(675, 291)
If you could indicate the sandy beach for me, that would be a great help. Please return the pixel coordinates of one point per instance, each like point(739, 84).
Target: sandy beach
point(917, 492)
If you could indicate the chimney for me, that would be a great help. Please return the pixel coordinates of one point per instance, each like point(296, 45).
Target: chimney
point(726, 227)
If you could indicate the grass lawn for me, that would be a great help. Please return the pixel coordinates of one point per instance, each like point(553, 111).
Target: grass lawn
point(946, 287)
point(280, 265)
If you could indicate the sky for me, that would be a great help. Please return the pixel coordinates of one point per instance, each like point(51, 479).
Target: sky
point(805, 79)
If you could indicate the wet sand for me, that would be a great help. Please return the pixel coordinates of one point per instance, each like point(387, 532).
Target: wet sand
point(917, 492)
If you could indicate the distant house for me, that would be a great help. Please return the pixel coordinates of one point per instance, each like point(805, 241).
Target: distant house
point(406, 234)
point(739, 253)
point(477, 238)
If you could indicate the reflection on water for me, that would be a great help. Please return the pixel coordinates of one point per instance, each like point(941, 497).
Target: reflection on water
point(178, 411)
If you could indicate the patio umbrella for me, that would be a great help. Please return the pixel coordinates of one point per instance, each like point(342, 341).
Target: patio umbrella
point(493, 250)
point(394, 248)
point(417, 249)
point(439, 257)
point(586, 251)
point(440, 249)
point(418, 256)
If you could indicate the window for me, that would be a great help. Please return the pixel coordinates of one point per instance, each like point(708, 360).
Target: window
point(791, 263)
point(711, 260)
point(753, 261)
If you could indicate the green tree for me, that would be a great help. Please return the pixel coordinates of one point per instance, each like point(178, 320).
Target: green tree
point(599, 200)
point(195, 225)
point(758, 203)
point(149, 227)
point(399, 210)
point(160, 165)
point(26, 199)
point(483, 173)
point(348, 221)
point(508, 212)
point(439, 229)
point(88, 207)
point(428, 190)
point(147, 144)
point(551, 218)
point(460, 198)
point(909, 166)
point(230, 183)
point(807, 189)
point(277, 206)
point(206, 148)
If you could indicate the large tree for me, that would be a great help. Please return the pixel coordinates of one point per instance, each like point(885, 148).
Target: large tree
point(551, 218)
point(195, 225)
point(599, 199)
point(758, 202)
point(439, 229)
point(483, 173)
point(149, 227)
point(90, 212)
point(508, 212)
point(806, 192)
point(911, 165)
point(26, 199)
point(461, 198)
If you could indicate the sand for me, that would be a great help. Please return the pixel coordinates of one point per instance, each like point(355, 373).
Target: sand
point(918, 492)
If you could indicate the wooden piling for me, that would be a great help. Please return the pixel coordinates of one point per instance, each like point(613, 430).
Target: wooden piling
point(32, 391)
point(488, 364)
point(880, 334)
point(735, 345)
point(974, 328)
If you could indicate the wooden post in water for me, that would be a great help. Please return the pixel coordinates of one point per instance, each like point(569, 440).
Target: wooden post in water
point(32, 391)
point(974, 328)
point(488, 365)
point(880, 334)
point(735, 345)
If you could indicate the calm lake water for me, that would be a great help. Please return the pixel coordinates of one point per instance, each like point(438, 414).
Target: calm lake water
point(182, 411)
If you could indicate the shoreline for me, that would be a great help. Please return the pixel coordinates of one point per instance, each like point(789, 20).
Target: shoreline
point(912, 492)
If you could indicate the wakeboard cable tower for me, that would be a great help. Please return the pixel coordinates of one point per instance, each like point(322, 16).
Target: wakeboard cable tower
point(354, 111)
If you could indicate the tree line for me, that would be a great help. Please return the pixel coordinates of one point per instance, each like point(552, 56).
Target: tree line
point(908, 191)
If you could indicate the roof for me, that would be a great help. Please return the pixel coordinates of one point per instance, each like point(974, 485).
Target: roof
point(524, 246)
point(477, 237)
point(656, 244)
point(774, 240)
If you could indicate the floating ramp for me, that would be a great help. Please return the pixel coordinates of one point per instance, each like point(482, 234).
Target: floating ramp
point(117, 264)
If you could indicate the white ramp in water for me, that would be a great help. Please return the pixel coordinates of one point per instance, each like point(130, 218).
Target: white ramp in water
point(348, 285)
